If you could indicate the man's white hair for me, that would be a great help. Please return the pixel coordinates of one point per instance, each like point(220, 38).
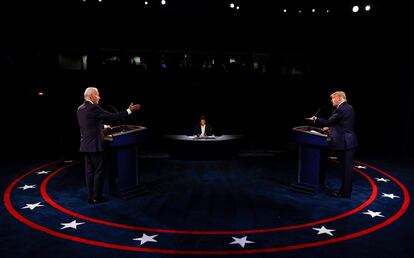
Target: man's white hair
point(89, 91)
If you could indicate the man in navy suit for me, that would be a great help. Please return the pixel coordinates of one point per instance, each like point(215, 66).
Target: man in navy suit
point(203, 128)
point(90, 117)
point(341, 137)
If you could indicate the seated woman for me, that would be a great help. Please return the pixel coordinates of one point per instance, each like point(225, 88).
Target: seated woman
point(203, 129)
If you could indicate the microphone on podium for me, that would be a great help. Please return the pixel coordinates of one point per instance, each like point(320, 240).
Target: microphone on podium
point(116, 111)
point(319, 109)
point(113, 108)
point(313, 118)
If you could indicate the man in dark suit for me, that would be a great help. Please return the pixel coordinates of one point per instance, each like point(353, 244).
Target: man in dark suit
point(341, 137)
point(90, 117)
point(203, 128)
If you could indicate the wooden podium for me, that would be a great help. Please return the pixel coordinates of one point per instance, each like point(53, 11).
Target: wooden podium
point(310, 141)
point(123, 170)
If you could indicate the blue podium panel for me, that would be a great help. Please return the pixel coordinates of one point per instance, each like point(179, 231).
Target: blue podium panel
point(123, 176)
point(310, 141)
point(124, 135)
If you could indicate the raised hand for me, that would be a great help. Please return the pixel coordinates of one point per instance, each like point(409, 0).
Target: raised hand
point(134, 107)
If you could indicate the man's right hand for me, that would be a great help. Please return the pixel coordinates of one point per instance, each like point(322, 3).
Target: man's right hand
point(134, 107)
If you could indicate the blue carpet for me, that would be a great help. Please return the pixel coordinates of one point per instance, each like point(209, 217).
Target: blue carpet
point(233, 207)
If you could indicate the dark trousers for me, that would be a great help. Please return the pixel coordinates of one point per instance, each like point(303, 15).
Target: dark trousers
point(345, 159)
point(94, 172)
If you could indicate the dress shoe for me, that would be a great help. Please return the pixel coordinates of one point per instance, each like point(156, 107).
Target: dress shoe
point(339, 195)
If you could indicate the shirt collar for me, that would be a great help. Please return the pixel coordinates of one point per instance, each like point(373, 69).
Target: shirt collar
point(340, 104)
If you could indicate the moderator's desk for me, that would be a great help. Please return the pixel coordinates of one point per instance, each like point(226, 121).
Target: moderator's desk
point(210, 147)
point(123, 173)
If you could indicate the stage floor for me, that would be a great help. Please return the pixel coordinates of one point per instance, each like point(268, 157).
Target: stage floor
point(207, 207)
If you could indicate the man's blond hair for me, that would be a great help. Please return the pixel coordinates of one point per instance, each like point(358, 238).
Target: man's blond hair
point(340, 94)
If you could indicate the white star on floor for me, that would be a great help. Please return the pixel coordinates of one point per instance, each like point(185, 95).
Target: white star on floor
point(25, 187)
point(72, 224)
point(382, 179)
point(32, 206)
point(43, 172)
point(145, 238)
point(323, 230)
point(373, 214)
point(241, 241)
point(392, 196)
point(361, 167)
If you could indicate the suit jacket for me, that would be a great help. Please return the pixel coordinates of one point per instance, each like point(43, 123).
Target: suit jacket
point(341, 127)
point(90, 117)
point(208, 131)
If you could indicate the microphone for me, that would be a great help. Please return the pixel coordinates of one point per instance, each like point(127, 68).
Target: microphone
point(319, 109)
point(116, 111)
point(113, 108)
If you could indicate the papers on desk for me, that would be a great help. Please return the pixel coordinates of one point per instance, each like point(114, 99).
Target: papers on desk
point(207, 137)
point(316, 132)
point(201, 137)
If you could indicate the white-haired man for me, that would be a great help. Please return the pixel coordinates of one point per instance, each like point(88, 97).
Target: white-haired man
point(90, 118)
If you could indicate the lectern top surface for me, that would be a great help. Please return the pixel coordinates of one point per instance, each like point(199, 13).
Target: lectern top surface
point(310, 130)
point(125, 129)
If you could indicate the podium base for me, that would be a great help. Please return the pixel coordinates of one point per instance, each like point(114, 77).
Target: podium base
point(304, 188)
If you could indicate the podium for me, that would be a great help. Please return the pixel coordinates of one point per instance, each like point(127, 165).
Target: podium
point(123, 171)
point(310, 140)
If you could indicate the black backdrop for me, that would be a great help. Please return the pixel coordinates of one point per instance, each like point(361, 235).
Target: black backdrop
point(370, 57)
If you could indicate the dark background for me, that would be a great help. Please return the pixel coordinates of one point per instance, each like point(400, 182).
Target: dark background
point(301, 58)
